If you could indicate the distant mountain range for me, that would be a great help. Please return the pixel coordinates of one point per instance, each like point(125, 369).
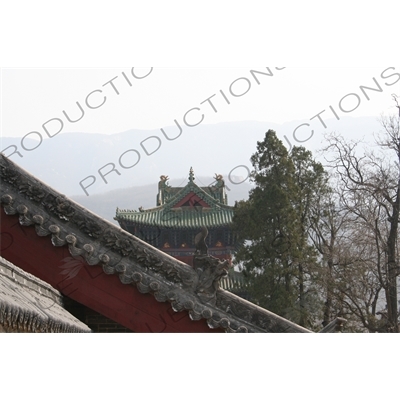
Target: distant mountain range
point(69, 158)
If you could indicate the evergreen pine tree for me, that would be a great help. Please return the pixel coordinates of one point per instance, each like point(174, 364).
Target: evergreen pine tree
point(273, 225)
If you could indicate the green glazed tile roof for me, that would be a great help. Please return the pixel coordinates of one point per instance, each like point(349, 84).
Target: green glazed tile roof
point(178, 218)
point(166, 216)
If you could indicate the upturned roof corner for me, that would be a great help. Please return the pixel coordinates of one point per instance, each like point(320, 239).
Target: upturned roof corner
point(196, 206)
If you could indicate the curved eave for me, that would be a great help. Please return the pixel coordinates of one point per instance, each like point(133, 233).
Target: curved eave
point(184, 219)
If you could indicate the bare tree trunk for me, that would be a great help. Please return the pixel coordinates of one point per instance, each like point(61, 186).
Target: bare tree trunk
point(329, 295)
point(391, 293)
point(301, 296)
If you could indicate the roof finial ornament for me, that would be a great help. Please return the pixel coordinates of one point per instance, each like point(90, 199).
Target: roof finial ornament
point(191, 175)
point(210, 270)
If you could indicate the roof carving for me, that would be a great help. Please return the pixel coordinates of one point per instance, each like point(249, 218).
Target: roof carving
point(209, 269)
point(135, 262)
point(191, 175)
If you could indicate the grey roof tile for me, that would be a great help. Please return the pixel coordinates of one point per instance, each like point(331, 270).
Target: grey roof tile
point(28, 304)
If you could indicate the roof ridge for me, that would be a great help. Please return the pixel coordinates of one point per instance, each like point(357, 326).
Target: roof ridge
point(197, 190)
point(30, 308)
point(116, 251)
point(26, 275)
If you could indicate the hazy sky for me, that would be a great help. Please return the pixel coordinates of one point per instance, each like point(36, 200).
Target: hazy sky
point(87, 33)
point(31, 97)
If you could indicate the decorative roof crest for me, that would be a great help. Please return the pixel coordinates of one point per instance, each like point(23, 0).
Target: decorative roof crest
point(191, 175)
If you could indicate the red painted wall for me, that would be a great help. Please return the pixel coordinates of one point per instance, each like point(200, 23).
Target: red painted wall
point(89, 285)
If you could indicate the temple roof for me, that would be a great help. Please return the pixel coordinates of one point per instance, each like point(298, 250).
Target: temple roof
point(53, 225)
point(27, 304)
point(189, 207)
point(164, 217)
